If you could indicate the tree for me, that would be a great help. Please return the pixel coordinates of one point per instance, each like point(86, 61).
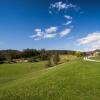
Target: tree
point(43, 54)
point(56, 58)
point(98, 53)
point(49, 62)
point(79, 54)
point(27, 53)
point(2, 58)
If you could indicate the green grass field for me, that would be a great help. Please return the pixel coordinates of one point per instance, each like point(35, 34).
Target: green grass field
point(10, 72)
point(96, 58)
point(74, 80)
point(67, 57)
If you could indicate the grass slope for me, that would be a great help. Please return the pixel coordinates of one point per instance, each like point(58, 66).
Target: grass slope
point(77, 80)
point(10, 72)
point(96, 58)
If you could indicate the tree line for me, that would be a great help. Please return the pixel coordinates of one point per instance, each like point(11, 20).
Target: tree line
point(33, 55)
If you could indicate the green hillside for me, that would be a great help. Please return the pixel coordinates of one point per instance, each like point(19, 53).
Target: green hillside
point(96, 58)
point(74, 80)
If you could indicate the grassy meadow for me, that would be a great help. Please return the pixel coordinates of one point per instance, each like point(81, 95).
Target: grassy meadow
point(96, 58)
point(73, 80)
point(65, 58)
point(11, 72)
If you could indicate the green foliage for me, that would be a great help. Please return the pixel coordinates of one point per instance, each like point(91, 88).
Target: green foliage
point(95, 58)
point(56, 58)
point(53, 59)
point(2, 58)
point(32, 55)
point(67, 58)
point(49, 62)
point(79, 54)
point(98, 53)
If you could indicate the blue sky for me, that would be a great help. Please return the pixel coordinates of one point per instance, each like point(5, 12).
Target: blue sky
point(50, 24)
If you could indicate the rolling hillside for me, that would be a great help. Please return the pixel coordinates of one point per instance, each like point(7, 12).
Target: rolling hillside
point(76, 80)
point(96, 58)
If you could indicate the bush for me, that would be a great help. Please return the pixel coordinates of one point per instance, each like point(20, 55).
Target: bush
point(56, 58)
point(1, 62)
point(79, 54)
point(49, 62)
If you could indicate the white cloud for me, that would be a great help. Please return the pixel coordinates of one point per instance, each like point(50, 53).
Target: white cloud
point(63, 6)
point(96, 46)
point(68, 17)
point(48, 33)
point(65, 32)
point(37, 30)
point(51, 30)
point(90, 42)
point(68, 23)
point(58, 5)
point(91, 47)
point(90, 38)
point(37, 39)
point(39, 34)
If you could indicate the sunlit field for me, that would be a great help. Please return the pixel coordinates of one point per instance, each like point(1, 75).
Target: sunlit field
point(73, 80)
point(96, 58)
point(49, 49)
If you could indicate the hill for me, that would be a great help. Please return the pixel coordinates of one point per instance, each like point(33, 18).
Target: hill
point(77, 80)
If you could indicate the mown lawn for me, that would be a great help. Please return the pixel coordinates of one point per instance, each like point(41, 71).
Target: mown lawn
point(10, 72)
point(75, 80)
point(96, 58)
point(66, 57)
